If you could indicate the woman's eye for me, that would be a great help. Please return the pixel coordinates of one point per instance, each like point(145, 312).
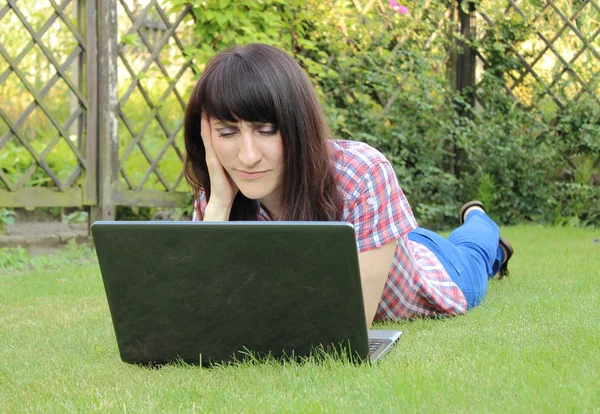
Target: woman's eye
point(268, 130)
point(226, 132)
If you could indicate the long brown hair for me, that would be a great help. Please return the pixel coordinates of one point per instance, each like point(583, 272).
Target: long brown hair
point(260, 83)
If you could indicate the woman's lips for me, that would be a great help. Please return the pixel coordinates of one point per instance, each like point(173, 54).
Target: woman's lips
point(251, 175)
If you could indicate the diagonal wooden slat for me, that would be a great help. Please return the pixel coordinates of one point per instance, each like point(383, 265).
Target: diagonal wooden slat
point(3, 10)
point(137, 23)
point(366, 9)
point(74, 176)
point(358, 6)
point(4, 179)
point(178, 180)
point(566, 67)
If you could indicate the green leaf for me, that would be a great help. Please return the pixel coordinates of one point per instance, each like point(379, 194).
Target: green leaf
point(548, 108)
point(210, 15)
point(222, 20)
point(500, 47)
point(131, 39)
point(8, 220)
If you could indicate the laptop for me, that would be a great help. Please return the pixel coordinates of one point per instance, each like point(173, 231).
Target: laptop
point(214, 292)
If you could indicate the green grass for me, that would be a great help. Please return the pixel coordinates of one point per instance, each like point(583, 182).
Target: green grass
point(533, 345)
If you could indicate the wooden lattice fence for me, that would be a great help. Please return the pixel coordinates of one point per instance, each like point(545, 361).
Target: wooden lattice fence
point(67, 129)
point(562, 64)
point(111, 133)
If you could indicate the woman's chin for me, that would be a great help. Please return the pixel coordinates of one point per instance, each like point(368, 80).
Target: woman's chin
point(254, 193)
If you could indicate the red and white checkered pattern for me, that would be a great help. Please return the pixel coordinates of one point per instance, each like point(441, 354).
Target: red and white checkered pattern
point(417, 285)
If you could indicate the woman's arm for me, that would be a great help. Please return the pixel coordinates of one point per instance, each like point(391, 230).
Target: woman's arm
point(216, 212)
point(374, 270)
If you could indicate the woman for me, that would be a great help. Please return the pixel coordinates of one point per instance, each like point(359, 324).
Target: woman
point(258, 148)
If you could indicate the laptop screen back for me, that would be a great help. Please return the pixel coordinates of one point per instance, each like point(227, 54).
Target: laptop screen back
point(209, 292)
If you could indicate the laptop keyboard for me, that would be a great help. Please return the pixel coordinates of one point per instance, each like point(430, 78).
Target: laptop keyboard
point(374, 345)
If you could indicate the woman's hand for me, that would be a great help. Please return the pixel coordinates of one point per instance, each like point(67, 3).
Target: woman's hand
point(222, 188)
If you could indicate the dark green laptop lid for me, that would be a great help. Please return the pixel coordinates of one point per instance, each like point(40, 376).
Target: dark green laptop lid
point(211, 292)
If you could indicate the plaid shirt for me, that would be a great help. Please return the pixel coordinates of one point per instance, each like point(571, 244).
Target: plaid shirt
point(418, 284)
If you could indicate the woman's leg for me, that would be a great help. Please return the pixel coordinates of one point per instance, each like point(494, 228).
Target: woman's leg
point(471, 255)
point(479, 236)
point(477, 240)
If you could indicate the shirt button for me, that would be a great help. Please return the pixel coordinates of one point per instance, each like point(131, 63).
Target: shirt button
point(371, 200)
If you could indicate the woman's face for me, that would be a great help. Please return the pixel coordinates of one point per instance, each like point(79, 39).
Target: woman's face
point(252, 154)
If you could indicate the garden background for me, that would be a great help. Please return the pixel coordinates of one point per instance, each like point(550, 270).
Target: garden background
point(490, 100)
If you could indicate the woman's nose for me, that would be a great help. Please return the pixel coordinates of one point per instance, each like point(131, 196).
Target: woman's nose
point(249, 152)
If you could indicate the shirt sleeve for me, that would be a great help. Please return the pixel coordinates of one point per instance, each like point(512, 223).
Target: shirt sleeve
point(200, 203)
point(381, 213)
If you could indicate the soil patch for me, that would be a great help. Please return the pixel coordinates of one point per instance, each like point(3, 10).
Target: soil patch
point(42, 237)
point(41, 233)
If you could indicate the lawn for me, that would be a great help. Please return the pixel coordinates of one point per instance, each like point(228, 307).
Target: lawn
point(533, 345)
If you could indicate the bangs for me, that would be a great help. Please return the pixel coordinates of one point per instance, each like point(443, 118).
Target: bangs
point(235, 91)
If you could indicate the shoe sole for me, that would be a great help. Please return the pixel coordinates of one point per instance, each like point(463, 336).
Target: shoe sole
point(509, 253)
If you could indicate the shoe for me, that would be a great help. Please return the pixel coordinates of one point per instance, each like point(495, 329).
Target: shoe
point(508, 253)
point(466, 206)
point(506, 246)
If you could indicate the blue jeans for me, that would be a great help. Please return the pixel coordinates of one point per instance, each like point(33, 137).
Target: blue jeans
point(471, 255)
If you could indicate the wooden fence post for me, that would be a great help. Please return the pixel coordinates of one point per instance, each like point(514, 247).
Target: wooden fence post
point(463, 63)
point(88, 15)
point(108, 110)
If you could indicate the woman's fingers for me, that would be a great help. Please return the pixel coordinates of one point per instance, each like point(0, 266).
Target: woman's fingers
point(223, 189)
point(206, 133)
point(212, 162)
